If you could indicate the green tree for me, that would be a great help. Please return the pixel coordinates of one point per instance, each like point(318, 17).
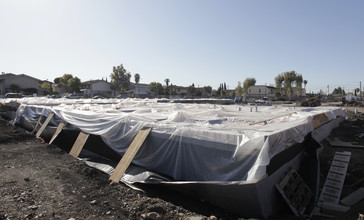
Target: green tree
point(356, 91)
point(305, 83)
point(173, 90)
point(167, 84)
point(74, 84)
point(64, 79)
point(191, 89)
point(64, 82)
point(120, 78)
point(279, 82)
point(222, 93)
point(218, 91)
point(156, 88)
point(207, 89)
point(57, 80)
point(289, 78)
point(299, 81)
point(250, 81)
point(136, 78)
point(47, 87)
point(239, 90)
point(338, 91)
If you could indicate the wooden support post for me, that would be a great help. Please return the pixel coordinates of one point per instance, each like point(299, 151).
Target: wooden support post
point(38, 122)
point(50, 116)
point(59, 129)
point(129, 154)
point(289, 114)
point(78, 145)
point(36, 125)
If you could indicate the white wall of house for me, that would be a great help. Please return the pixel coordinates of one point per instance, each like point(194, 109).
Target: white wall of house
point(261, 91)
point(180, 90)
point(101, 86)
point(97, 87)
point(141, 89)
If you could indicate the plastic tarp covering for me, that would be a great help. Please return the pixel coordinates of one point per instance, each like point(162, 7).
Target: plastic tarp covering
point(191, 142)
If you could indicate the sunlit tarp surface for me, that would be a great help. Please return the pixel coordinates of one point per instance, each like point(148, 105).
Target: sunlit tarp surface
point(193, 142)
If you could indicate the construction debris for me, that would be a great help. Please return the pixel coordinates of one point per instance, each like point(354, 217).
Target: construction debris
point(338, 143)
point(331, 192)
point(354, 197)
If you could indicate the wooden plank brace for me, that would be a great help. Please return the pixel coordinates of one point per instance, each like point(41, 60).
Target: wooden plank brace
point(38, 122)
point(59, 129)
point(78, 145)
point(44, 125)
point(129, 154)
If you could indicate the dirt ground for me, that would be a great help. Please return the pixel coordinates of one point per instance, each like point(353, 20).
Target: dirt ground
point(40, 181)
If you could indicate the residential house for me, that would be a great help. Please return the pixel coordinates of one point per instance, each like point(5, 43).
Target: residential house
point(230, 93)
point(261, 91)
point(179, 90)
point(140, 89)
point(97, 87)
point(28, 85)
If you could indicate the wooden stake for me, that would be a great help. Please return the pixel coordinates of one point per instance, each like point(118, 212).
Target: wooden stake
point(36, 125)
point(78, 145)
point(38, 122)
point(59, 129)
point(272, 118)
point(129, 154)
point(50, 116)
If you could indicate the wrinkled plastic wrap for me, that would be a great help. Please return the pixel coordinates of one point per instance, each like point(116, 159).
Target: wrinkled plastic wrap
point(190, 142)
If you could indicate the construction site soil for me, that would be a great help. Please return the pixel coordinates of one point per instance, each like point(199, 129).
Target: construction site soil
point(40, 181)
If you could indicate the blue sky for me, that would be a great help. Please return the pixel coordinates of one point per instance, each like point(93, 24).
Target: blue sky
point(205, 42)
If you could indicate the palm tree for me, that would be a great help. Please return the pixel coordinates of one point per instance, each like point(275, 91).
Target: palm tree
point(167, 83)
point(137, 79)
point(299, 81)
point(279, 81)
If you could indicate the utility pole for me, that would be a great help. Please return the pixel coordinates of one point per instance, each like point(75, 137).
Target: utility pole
point(328, 90)
point(360, 90)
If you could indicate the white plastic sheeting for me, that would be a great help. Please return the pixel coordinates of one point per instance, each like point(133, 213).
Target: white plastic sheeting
point(192, 142)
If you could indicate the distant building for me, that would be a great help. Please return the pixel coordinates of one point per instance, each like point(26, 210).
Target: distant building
point(140, 89)
point(97, 87)
point(28, 85)
point(260, 91)
point(179, 90)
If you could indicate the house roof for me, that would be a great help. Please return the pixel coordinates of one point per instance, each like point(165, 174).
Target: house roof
point(269, 87)
point(6, 75)
point(94, 81)
point(12, 75)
